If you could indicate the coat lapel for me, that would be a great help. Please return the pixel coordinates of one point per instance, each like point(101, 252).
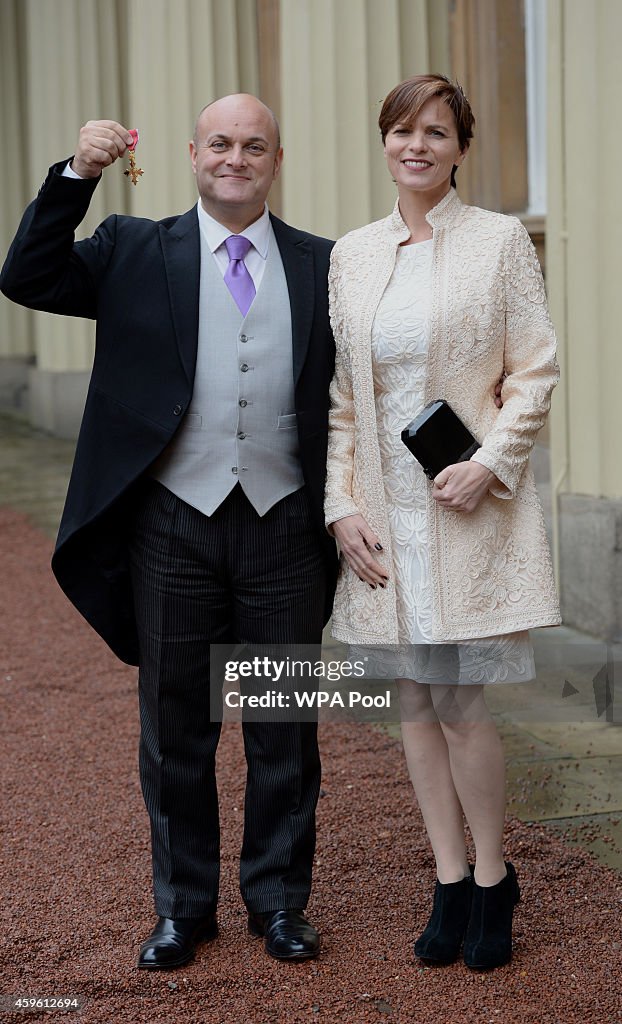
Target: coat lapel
point(298, 264)
point(182, 258)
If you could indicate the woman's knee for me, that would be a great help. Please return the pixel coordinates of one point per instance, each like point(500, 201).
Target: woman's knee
point(415, 702)
point(460, 707)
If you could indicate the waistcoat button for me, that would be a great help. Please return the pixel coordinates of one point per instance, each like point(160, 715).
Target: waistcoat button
point(243, 403)
point(241, 435)
point(244, 367)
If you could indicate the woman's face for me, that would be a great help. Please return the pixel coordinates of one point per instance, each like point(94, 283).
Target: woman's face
point(420, 156)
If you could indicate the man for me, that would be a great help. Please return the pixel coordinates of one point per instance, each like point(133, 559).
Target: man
point(194, 511)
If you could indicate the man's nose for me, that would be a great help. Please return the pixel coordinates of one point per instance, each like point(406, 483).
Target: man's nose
point(236, 155)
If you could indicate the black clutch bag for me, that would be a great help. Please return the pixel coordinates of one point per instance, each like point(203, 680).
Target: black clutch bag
point(438, 438)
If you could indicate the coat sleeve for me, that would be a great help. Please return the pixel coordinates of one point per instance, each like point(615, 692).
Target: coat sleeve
point(338, 501)
point(45, 268)
point(529, 363)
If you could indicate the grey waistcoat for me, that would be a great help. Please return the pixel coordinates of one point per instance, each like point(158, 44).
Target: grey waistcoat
point(241, 423)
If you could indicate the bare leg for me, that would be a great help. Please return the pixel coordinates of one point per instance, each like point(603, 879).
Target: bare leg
point(428, 761)
point(478, 771)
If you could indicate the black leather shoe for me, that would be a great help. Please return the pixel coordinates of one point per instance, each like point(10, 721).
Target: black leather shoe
point(441, 940)
point(488, 939)
point(288, 935)
point(174, 939)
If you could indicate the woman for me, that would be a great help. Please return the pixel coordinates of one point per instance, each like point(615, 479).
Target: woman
point(442, 300)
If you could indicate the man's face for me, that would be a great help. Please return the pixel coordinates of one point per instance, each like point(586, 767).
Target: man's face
point(235, 158)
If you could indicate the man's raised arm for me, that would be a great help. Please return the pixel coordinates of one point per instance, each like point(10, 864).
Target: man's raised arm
point(43, 269)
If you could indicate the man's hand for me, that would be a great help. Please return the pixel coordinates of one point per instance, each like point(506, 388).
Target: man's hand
point(357, 541)
point(498, 387)
point(99, 145)
point(462, 487)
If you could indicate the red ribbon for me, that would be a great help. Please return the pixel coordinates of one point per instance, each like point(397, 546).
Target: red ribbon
point(134, 133)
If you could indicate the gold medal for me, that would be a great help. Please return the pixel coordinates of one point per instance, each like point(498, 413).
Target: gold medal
point(133, 172)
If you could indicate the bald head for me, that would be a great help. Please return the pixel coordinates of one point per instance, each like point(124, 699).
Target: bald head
point(236, 155)
point(240, 102)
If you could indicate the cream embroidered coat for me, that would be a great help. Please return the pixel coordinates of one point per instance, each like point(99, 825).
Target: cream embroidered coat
point(491, 569)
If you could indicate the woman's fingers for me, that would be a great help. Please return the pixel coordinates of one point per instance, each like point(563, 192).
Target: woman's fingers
point(462, 487)
point(358, 541)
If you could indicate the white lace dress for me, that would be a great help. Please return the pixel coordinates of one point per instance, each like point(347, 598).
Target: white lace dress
point(400, 338)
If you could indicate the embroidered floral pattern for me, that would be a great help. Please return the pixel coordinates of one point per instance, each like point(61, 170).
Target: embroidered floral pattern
point(494, 659)
point(487, 314)
point(495, 578)
point(399, 344)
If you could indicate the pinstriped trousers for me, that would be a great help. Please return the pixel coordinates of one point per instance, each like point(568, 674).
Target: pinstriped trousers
point(233, 577)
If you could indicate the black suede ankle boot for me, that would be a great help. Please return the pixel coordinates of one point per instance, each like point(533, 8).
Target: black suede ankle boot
point(488, 939)
point(441, 940)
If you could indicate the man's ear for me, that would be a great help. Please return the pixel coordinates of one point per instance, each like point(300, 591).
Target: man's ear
point(278, 160)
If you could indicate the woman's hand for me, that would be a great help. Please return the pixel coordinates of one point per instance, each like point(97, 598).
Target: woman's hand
point(461, 487)
point(357, 541)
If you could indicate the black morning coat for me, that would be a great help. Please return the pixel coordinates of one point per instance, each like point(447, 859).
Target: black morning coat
point(139, 279)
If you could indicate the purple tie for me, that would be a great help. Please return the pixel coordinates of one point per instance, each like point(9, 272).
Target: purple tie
point(237, 278)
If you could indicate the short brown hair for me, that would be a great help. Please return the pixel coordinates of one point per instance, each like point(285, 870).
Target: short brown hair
point(404, 102)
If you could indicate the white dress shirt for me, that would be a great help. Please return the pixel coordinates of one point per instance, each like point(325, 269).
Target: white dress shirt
point(258, 234)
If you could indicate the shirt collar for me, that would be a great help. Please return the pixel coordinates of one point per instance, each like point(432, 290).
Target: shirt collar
point(215, 233)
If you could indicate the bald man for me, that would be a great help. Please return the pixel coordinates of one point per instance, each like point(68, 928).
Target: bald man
point(194, 511)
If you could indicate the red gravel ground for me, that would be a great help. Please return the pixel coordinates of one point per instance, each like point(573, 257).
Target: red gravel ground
point(76, 881)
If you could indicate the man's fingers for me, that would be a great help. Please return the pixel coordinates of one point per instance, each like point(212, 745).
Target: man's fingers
point(100, 143)
point(113, 125)
point(110, 130)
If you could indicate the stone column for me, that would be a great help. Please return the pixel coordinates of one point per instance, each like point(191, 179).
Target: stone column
point(583, 241)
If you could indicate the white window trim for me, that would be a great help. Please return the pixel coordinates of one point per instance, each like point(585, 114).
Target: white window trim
point(535, 53)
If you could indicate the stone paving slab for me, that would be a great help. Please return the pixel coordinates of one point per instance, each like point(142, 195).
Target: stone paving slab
point(563, 787)
point(577, 739)
point(601, 834)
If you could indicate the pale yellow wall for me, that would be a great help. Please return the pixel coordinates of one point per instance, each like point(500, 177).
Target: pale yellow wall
point(15, 323)
point(153, 64)
point(584, 250)
point(338, 61)
point(150, 64)
point(64, 67)
point(181, 56)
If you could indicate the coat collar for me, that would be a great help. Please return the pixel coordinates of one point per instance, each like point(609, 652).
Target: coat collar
point(298, 264)
point(443, 214)
point(182, 259)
